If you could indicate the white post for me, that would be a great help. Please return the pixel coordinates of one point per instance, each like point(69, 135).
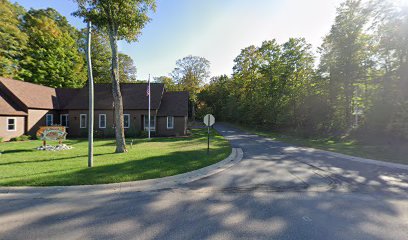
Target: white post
point(91, 98)
point(150, 92)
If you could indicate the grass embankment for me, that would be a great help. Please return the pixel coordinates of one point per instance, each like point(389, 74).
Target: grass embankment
point(376, 148)
point(22, 165)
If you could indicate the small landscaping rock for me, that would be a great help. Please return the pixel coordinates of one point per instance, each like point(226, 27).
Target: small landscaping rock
point(59, 147)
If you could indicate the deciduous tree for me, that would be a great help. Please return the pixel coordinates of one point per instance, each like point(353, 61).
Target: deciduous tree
point(190, 74)
point(13, 41)
point(52, 57)
point(121, 20)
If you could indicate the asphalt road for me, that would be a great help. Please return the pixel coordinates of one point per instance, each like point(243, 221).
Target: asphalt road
point(277, 191)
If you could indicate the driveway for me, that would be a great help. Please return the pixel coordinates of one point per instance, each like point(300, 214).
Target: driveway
point(277, 191)
point(275, 166)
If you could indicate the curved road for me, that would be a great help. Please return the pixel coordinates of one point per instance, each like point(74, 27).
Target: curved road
point(277, 191)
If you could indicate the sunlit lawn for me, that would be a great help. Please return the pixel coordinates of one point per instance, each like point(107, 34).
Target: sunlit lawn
point(380, 150)
point(22, 165)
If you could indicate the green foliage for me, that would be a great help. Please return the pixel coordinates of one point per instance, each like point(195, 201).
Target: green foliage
point(360, 84)
point(190, 74)
point(52, 57)
point(121, 19)
point(12, 40)
point(100, 54)
point(101, 58)
point(21, 138)
point(144, 134)
point(168, 82)
point(345, 59)
point(267, 87)
point(40, 46)
point(388, 113)
point(127, 69)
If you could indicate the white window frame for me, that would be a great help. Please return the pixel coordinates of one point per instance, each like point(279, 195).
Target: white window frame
point(67, 120)
point(146, 126)
point(172, 122)
point(83, 124)
point(100, 115)
point(14, 124)
point(46, 119)
point(128, 116)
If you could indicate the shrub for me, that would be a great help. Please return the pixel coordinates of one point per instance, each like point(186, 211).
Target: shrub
point(144, 134)
point(98, 133)
point(21, 138)
point(24, 137)
point(1, 139)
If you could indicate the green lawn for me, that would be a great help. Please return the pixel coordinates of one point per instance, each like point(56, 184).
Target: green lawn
point(22, 165)
point(374, 149)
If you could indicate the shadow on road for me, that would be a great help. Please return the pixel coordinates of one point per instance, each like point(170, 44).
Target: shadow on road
point(277, 192)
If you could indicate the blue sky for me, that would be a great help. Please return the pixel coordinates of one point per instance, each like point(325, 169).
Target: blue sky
point(214, 29)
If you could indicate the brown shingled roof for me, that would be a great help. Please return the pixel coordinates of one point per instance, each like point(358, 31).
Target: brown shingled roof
point(133, 95)
point(32, 95)
point(29, 95)
point(174, 104)
point(65, 95)
point(8, 107)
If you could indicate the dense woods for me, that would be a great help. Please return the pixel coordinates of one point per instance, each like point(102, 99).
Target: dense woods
point(356, 83)
point(360, 84)
point(40, 46)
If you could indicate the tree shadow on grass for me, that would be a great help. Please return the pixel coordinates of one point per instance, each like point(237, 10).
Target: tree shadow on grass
point(196, 137)
point(53, 159)
point(16, 151)
point(132, 170)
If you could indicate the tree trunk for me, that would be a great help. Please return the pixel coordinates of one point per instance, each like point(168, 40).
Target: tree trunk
point(117, 96)
point(348, 90)
point(192, 111)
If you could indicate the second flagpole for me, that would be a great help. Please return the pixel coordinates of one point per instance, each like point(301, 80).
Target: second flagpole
point(149, 105)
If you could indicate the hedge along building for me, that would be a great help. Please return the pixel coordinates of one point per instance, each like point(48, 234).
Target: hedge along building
point(24, 107)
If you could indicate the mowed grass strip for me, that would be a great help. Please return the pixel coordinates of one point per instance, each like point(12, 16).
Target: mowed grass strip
point(22, 165)
point(379, 149)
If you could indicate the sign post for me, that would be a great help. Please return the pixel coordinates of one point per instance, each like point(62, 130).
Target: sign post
point(209, 120)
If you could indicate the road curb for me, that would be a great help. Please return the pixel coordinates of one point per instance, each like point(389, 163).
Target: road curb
point(367, 160)
point(123, 187)
point(351, 158)
point(335, 154)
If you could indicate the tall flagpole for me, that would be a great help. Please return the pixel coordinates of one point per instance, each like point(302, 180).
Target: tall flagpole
point(150, 91)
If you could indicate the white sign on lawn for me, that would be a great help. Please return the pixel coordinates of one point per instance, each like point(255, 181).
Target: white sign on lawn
point(209, 120)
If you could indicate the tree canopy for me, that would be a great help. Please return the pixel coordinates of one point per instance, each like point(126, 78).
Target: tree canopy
point(41, 46)
point(13, 40)
point(190, 74)
point(359, 86)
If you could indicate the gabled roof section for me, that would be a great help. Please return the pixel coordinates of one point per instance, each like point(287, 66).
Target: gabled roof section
point(133, 95)
point(18, 96)
point(65, 95)
point(174, 104)
point(31, 95)
point(8, 107)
